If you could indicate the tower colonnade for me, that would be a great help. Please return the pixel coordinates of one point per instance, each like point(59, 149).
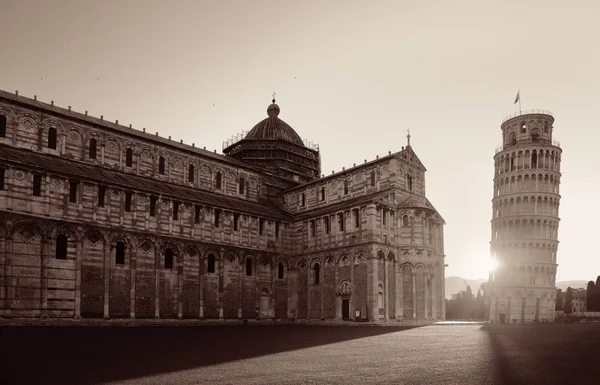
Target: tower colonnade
point(525, 221)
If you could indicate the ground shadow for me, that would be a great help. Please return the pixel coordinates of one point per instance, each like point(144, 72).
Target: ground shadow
point(545, 353)
point(92, 355)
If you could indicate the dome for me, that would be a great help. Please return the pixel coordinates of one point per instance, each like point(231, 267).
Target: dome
point(273, 128)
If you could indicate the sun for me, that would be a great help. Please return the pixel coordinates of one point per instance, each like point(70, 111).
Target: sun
point(484, 266)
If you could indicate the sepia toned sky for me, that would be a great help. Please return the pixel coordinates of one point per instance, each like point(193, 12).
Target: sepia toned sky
point(350, 75)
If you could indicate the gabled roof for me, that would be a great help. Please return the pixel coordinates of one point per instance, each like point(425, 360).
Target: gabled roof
point(71, 168)
point(411, 153)
point(437, 212)
point(345, 204)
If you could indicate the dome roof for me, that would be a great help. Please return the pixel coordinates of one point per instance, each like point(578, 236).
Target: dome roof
point(273, 128)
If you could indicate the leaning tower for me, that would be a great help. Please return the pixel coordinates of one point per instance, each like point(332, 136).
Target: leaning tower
point(525, 221)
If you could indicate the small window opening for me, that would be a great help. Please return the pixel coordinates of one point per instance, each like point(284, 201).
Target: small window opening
point(236, 222)
point(176, 210)
point(2, 172)
point(62, 243)
point(161, 165)
point(340, 217)
point(210, 263)
point(153, 206)
point(93, 148)
point(191, 173)
point(384, 216)
point(73, 186)
point(2, 126)
point(322, 193)
point(127, 201)
point(197, 212)
point(313, 230)
point(37, 185)
point(405, 221)
point(372, 178)
point(217, 218)
point(280, 270)
point(218, 180)
point(409, 179)
point(346, 187)
point(356, 217)
point(326, 224)
point(52, 138)
point(120, 253)
point(248, 267)
point(129, 157)
point(302, 200)
point(317, 272)
point(276, 230)
point(261, 226)
point(169, 258)
point(242, 186)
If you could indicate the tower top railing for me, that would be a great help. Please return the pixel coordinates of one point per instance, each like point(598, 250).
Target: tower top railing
point(526, 112)
point(238, 137)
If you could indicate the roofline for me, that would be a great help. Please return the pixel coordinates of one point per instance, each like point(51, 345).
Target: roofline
point(115, 127)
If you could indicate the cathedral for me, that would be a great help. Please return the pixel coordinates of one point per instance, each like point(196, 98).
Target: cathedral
point(525, 221)
point(101, 220)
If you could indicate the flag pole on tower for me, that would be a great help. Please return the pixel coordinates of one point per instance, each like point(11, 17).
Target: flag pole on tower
point(518, 99)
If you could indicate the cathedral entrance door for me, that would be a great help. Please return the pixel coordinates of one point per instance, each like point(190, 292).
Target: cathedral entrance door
point(502, 318)
point(264, 307)
point(346, 309)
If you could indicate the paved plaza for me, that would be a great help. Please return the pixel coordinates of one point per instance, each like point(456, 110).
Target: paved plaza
point(437, 354)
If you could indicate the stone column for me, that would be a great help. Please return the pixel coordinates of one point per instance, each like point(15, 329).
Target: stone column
point(385, 288)
point(132, 278)
point(106, 280)
point(373, 293)
point(399, 292)
point(414, 293)
point(201, 284)
point(425, 296)
point(433, 297)
point(180, 272)
point(156, 283)
point(44, 277)
point(7, 271)
point(78, 263)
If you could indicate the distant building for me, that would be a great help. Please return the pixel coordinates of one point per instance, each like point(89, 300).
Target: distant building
point(578, 301)
point(525, 221)
point(100, 220)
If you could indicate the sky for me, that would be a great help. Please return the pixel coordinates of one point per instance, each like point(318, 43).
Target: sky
point(353, 76)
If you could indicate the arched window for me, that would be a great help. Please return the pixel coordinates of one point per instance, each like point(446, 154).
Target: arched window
point(52, 138)
point(62, 244)
point(534, 159)
point(280, 270)
point(191, 173)
point(2, 126)
point(210, 263)
point(93, 148)
point(513, 138)
point(169, 258)
point(409, 182)
point(346, 187)
point(405, 221)
point(129, 157)
point(523, 128)
point(248, 267)
point(218, 180)
point(372, 178)
point(161, 165)
point(317, 272)
point(380, 303)
point(120, 253)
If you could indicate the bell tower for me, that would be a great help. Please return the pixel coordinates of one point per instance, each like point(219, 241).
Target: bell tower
point(525, 221)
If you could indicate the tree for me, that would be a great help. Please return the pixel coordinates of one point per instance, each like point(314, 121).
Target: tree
point(568, 306)
point(558, 305)
point(590, 296)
